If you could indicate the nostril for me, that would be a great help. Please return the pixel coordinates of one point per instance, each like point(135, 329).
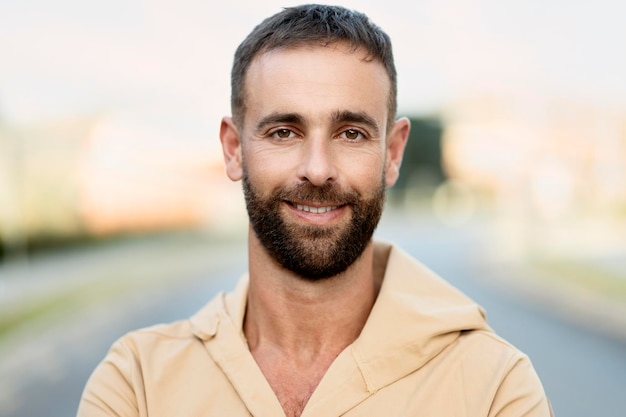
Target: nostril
point(319, 173)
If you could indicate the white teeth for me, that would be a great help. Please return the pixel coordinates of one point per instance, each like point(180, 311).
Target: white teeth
point(317, 210)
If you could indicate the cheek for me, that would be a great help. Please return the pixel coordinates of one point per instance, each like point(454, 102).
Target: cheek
point(364, 171)
point(268, 169)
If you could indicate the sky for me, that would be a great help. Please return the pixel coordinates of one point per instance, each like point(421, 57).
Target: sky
point(170, 60)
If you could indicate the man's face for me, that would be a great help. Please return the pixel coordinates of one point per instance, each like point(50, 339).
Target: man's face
point(314, 152)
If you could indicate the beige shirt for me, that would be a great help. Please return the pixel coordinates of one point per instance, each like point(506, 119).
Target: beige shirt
point(425, 350)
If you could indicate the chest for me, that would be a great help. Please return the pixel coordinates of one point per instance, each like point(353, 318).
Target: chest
point(293, 383)
point(243, 395)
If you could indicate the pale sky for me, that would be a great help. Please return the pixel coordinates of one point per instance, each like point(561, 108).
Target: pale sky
point(71, 57)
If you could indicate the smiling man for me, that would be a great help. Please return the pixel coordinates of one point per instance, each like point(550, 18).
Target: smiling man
point(327, 322)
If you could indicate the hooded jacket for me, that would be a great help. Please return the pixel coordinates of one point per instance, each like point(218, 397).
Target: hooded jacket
point(425, 350)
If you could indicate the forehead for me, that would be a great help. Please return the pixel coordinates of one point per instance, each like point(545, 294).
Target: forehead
point(316, 80)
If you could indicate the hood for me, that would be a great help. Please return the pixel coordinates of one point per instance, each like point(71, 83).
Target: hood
point(416, 316)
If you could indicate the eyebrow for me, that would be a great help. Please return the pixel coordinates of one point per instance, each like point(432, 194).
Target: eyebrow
point(362, 118)
point(279, 118)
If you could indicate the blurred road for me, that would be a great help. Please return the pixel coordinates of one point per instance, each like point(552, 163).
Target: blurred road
point(43, 371)
point(44, 367)
point(583, 370)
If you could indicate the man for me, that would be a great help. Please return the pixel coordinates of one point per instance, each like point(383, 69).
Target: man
point(326, 322)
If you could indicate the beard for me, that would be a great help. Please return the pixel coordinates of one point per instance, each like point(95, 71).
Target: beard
point(311, 251)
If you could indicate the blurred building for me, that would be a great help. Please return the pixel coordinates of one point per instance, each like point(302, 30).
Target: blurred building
point(135, 176)
point(554, 172)
point(39, 179)
point(108, 174)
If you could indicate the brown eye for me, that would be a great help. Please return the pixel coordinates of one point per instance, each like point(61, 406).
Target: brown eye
point(283, 134)
point(352, 134)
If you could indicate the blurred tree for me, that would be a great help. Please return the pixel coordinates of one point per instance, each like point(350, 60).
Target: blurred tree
point(421, 165)
point(12, 233)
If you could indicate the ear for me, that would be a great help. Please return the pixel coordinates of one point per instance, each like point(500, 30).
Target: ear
point(231, 147)
point(396, 142)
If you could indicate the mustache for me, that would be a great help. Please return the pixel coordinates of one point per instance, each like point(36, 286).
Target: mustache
point(327, 193)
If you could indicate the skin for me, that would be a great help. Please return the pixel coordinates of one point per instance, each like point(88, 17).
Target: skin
point(314, 114)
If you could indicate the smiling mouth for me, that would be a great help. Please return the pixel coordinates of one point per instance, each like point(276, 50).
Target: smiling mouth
point(316, 210)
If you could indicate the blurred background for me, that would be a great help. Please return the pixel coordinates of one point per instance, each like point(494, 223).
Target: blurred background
point(115, 211)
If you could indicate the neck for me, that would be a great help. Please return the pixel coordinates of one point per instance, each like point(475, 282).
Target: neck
point(305, 319)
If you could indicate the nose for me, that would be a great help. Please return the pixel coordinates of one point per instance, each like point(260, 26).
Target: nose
point(317, 161)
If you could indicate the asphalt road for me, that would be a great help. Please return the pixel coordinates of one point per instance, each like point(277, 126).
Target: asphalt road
point(43, 371)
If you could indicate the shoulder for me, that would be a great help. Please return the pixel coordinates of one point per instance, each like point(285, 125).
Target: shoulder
point(507, 374)
point(133, 353)
point(148, 366)
point(487, 352)
point(489, 342)
point(180, 330)
point(148, 338)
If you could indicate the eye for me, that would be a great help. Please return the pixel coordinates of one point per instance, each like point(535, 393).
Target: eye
point(283, 134)
point(352, 135)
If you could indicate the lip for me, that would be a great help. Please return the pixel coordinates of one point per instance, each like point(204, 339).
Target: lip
point(316, 213)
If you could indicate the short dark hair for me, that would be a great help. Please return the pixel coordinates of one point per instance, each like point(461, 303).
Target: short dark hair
point(310, 24)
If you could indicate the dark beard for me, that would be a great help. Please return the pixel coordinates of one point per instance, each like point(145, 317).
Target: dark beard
point(313, 252)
